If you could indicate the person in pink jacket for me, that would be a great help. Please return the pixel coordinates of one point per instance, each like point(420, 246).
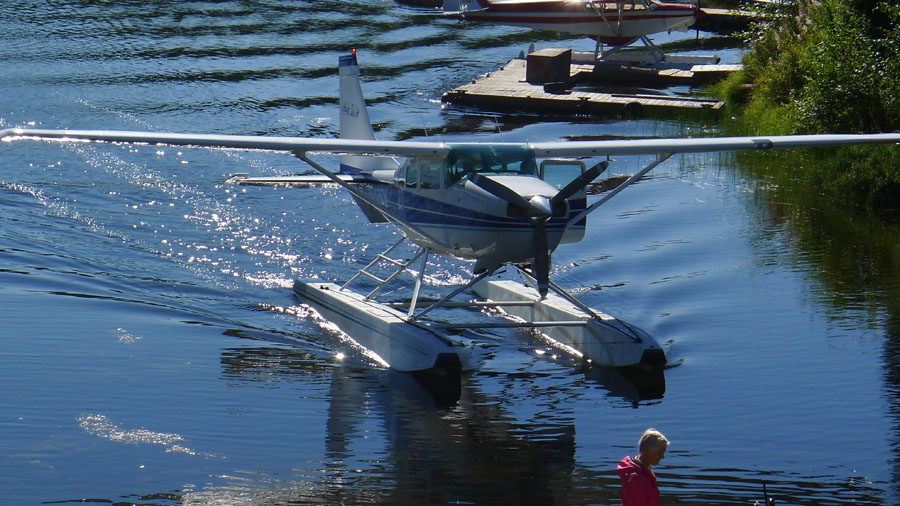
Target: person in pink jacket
point(638, 481)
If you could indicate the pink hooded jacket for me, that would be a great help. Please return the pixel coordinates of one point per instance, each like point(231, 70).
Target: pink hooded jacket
point(638, 484)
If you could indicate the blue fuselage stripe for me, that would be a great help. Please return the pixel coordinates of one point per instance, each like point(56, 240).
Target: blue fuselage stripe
point(420, 210)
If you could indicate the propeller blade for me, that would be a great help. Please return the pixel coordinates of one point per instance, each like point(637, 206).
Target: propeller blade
point(499, 190)
point(579, 183)
point(540, 268)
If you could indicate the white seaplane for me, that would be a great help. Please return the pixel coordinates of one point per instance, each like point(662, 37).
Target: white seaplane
point(615, 23)
point(491, 203)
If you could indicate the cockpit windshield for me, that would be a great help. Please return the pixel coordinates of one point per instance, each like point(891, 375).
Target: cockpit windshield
point(489, 159)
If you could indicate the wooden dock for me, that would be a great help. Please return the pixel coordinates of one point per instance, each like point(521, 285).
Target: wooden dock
point(725, 21)
point(508, 89)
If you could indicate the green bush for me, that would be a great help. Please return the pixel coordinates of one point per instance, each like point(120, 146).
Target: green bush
point(832, 66)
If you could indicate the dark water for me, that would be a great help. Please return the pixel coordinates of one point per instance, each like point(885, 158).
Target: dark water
point(153, 352)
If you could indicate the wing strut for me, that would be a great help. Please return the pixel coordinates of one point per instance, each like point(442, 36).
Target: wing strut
point(660, 158)
point(449, 296)
point(383, 257)
point(415, 295)
point(359, 195)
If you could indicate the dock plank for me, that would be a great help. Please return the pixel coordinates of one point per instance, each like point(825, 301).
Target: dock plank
point(506, 88)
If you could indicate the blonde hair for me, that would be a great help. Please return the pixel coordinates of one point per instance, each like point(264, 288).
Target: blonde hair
point(652, 439)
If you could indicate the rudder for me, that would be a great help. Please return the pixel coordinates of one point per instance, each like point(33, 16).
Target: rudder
point(354, 119)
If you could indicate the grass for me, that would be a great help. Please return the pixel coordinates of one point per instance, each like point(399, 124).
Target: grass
point(832, 66)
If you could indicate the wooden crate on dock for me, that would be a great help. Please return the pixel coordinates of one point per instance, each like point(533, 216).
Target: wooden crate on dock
point(549, 65)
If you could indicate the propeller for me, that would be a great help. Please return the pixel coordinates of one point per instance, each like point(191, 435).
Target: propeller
point(538, 209)
point(500, 190)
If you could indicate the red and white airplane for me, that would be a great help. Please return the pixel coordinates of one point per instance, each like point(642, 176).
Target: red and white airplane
point(614, 22)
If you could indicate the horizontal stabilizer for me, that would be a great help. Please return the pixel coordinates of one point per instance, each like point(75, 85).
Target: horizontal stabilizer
point(308, 180)
point(297, 180)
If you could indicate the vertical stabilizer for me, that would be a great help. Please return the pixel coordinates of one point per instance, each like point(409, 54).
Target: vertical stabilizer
point(354, 120)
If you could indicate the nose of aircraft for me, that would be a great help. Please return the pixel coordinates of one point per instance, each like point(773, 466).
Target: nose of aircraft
point(539, 206)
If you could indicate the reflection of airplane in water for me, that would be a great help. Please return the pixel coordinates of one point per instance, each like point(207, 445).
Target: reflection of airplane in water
point(387, 440)
point(504, 206)
point(421, 450)
point(477, 451)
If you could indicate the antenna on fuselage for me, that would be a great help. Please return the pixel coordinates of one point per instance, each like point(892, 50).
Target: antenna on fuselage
point(424, 126)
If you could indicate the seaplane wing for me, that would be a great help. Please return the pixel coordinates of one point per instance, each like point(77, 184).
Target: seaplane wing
point(294, 145)
point(438, 150)
point(704, 144)
point(369, 149)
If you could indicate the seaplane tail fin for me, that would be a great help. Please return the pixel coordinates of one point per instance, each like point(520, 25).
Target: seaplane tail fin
point(355, 122)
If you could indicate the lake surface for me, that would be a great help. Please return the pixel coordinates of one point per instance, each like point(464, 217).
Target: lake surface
point(153, 351)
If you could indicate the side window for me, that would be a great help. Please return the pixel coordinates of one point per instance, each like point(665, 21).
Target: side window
point(561, 172)
point(528, 167)
point(431, 174)
point(456, 169)
point(400, 174)
point(412, 175)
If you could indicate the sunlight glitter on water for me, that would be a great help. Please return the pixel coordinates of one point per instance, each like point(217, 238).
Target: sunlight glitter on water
point(100, 426)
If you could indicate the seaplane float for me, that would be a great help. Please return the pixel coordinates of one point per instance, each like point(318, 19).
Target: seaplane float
point(616, 23)
point(505, 207)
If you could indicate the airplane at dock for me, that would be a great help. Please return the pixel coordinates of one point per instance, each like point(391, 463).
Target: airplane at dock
point(615, 22)
point(501, 206)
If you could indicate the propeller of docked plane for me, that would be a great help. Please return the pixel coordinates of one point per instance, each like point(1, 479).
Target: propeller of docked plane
point(538, 209)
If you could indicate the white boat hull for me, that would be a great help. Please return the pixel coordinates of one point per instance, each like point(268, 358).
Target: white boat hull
point(605, 341)
point(384, 331)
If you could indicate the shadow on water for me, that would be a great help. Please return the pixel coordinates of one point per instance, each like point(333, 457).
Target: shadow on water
point(629, 384)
